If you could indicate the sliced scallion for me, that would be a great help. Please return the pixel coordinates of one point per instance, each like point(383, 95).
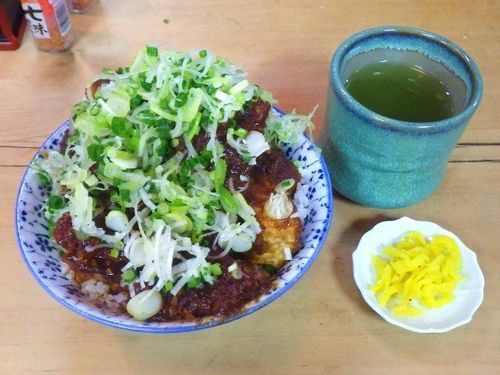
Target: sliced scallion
point(227, 200)
point(285, 185)
point(168, 286)
point(152, 51)
point(55, 202)
point(193, 282)
point(129, 275)
point(215, 269)
point(43, 179)
point(95, 151)
point(240, 132)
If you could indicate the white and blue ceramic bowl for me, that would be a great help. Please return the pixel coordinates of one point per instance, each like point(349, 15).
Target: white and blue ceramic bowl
point(43, 261)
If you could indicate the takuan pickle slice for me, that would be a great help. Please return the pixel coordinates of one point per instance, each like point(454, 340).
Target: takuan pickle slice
point(417, 270)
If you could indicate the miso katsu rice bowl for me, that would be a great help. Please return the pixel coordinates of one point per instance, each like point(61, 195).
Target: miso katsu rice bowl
point(176, 198)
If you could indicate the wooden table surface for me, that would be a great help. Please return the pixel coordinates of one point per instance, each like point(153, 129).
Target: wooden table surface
point(322, 325)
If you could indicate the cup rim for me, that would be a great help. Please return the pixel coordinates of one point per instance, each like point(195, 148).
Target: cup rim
point(400, 125)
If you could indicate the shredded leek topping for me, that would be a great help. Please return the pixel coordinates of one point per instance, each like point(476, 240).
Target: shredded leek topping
point(163, 201)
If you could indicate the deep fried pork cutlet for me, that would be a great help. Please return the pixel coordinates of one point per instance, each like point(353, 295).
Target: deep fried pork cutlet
point(277, 234)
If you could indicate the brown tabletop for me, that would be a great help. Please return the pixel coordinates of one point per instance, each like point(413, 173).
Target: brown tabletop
point(322, 325)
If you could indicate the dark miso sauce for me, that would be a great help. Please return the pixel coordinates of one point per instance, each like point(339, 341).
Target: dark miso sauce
point(401, 91)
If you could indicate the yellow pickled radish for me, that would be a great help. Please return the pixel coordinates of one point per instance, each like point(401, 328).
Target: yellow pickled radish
point(417, 272)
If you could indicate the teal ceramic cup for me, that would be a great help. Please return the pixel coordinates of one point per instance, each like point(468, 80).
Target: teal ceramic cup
point(383, 162)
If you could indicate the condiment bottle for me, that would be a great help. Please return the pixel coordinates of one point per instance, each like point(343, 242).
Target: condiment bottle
point(12, 25)
point(81, 6)
point(50, 24)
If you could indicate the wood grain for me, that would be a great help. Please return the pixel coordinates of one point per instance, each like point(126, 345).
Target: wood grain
point(321, 326)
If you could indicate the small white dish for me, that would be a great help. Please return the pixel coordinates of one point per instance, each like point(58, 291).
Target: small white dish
point(468, 293)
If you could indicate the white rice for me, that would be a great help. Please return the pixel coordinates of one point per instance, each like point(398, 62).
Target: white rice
point(98, 292)
point(67, 271)
point(94, 289)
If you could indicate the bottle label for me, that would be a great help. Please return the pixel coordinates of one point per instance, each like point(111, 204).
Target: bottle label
point(62, 15)
point(36, 20)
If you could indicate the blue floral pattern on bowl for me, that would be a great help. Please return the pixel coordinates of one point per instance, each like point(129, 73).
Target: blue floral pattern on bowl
point(43, 261)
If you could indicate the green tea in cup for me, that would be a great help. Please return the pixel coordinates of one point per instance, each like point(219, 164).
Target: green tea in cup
point(401, 91)
point(399, 100)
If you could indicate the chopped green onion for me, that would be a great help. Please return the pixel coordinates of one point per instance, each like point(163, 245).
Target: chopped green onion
point(146, 85)
point(284, 185)
point(144, 305)
point(168, 286)
point(152, 51)
point(240, 86)
point(116, 220)
point(117, 181)
point(51, 228)
point(179, 222)
point(129, 275)
point(161, 150)
point(135, 101)
point(181, 99)
point(95, 151)
point(125, 195)
point(247, 158)
point(55, 202)
point(134, 142)
point(193, 282)
point(195, 129)
point(123, 159)
point(163, 132)
point(116, 106)
point(232, 123)
point(78, 109)
point(91, 180)
point(203, 53)
point(177, 203)
point(43, 179)
point(163, 103)
point(269, 268)
point(113, 253)
point(163, 208)
point(95, 109)
point(191, 109)
point(219, 174)
point(118, 127)
point(215, 269)
point(229, 203)
point(240, 132)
